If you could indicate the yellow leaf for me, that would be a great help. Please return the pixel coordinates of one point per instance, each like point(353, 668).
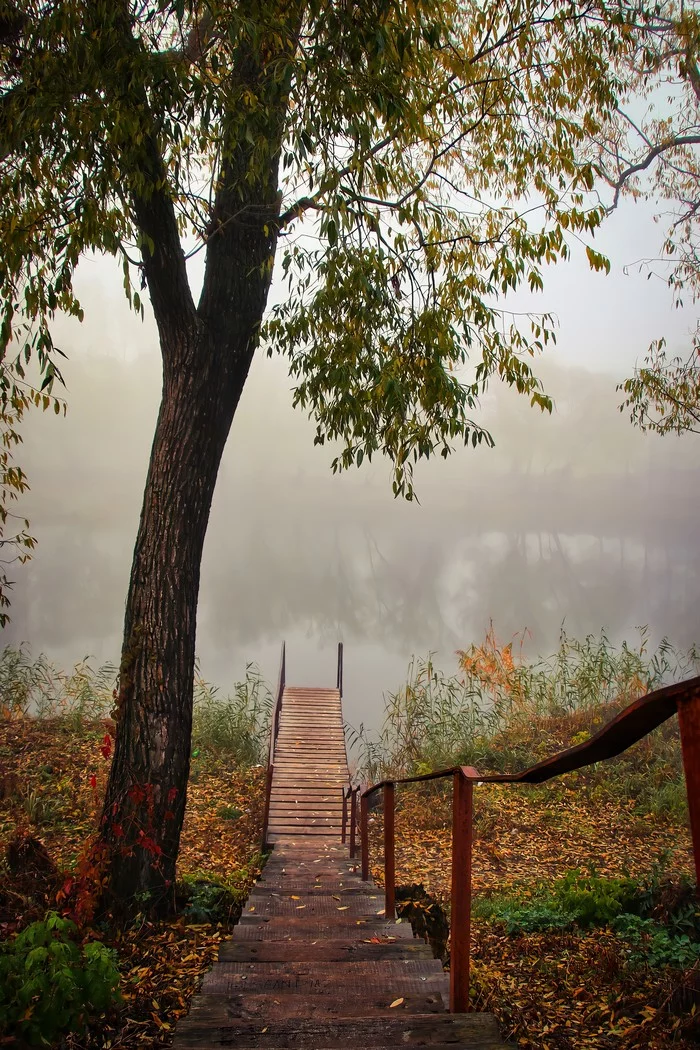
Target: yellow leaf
point(396, 1002)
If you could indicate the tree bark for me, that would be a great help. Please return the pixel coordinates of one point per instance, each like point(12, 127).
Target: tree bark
point(206, 358)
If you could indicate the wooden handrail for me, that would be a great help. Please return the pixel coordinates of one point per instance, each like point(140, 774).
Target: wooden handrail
point(632, 724)
point(274, 730)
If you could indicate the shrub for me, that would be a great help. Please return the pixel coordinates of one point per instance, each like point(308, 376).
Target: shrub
point(574, 900)
point(669, 801)
point(229, 813)
point(50, 984)
point(206, 898)
point(592, 900)
point(523, 916)
point(655, 945)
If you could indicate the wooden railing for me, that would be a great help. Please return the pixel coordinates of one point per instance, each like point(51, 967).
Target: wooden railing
point(274, 730)
point(633, 723)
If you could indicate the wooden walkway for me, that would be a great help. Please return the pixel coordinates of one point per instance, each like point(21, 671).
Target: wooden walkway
point(313, 963)
point(310, 766)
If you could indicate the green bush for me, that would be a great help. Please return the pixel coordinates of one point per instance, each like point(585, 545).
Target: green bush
point(669, 801)
point(519, 916)
point(655, 945)
point(50, 984)
point(592, 900)
point(207, 898)
point(574, 900)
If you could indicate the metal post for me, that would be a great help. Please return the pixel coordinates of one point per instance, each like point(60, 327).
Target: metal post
point(339, 681)
point(344, 823)
point(689, 724)
point(353, 820)
point(389, 865)
point(460, 920)
point(364, 836)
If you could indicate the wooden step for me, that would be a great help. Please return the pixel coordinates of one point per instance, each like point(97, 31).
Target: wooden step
point(297, 979)
point(283, 1002)
point(476, 1031)
point(251, 928)
point(339, 949)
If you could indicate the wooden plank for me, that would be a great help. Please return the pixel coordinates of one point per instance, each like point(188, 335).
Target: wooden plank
point(475, 1030)
point(251, 928)
point(290, 981)
point(359, 906)
point(324, 951)
point(287, 1003)
point(350, 969)
point(304, 808)
point(327, 950)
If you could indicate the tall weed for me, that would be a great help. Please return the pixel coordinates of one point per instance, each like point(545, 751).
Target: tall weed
point(34, 688)
point(239, 723)
point(501, 713)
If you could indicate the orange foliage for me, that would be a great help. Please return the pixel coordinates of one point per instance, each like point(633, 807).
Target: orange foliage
point(492, 664)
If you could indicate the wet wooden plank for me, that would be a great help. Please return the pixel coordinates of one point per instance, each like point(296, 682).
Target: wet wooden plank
point(359, 905)
point(475, 1030)
point(332, 986)
point(288, 1003)
point(338, 950)
point(251, 928)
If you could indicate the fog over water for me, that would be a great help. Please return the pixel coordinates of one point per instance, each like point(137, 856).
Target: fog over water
point(574, 518)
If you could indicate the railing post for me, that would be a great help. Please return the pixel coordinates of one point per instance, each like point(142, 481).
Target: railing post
point(266, 814)
point(274, 729)
point(389, 865)
point(689, 725)
point(344, 822)
point(461, 896)
point(339, 680)
point(353, 820)
point(364, 836)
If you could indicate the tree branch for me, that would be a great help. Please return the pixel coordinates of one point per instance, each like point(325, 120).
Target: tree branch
point(642, 165)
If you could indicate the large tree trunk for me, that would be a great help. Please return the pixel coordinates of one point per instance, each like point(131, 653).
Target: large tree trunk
point(206, 356)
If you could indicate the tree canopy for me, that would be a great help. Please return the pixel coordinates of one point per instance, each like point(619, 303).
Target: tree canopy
point(432, 148)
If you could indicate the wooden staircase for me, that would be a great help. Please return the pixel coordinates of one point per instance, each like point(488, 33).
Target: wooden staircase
point(314, 963)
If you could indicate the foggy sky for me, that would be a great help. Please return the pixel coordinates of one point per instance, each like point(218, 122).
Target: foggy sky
point(575, 518)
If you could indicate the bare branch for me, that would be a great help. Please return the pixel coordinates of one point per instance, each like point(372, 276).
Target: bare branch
point(642, 165)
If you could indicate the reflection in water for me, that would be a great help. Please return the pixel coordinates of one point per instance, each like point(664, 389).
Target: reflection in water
point(545, 529)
